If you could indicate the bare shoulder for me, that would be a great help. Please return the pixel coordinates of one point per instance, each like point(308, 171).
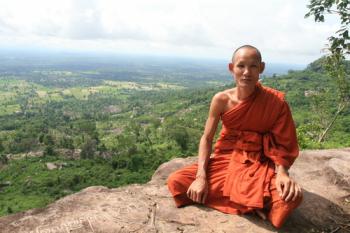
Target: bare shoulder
point(221, 101)
point(224, 96)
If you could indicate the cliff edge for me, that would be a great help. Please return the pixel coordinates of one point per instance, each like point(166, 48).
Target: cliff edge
point(323, 174)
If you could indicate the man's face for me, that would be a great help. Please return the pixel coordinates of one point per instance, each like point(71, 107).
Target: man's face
point(246, 67)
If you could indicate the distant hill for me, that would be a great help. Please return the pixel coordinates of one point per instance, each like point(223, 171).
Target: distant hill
point(278, 69)
point(189, 71)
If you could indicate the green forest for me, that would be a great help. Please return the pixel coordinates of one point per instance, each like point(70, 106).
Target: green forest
point(67, 126)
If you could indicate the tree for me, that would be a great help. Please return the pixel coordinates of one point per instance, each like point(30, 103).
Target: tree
point(340, 42)
point(336, 69)
point(88, 149)
point(337, 50)
point(181, 137)
point(48, 140)
point(3, 159)
point(49, 150)
point(2, 148)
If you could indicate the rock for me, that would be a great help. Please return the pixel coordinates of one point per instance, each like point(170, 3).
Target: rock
point(58, 165)
point(112, 109)
point(338, 171)
point(4, 184)
point(150, 208)
point(51, 166)
point(163, 171)
point(69, 153)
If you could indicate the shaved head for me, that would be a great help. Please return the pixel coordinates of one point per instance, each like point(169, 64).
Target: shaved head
point(258, 54)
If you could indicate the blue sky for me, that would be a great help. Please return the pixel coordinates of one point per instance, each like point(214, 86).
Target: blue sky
point(189, 28)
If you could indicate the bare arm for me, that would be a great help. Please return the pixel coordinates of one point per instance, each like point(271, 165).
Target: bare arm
point(199, 188)
point(205, 144)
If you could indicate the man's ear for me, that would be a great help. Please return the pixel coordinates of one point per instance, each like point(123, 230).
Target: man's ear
point(230, 66)
point(262, 67)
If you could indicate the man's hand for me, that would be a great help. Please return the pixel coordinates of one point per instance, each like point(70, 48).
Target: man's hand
point(198, 190)
point(287, 188)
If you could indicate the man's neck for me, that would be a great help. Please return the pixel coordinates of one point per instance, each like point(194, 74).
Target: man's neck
point(244, 92)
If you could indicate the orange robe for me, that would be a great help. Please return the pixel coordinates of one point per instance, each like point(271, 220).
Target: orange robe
point(256, 134)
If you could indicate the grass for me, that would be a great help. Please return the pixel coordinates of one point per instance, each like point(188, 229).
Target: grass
point(9, 109)
point(32, 185)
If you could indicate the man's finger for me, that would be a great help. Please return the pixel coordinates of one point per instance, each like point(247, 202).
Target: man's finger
point(204, 197)
point(279, 188)
point(297, 192)
point(194, 195)
point(285, 191)
point(261, 214)
point(300, 192)
point(199, 197)
point(291, 193)
point(189, 193)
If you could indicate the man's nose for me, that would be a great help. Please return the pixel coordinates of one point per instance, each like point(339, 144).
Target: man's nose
point(246, 71)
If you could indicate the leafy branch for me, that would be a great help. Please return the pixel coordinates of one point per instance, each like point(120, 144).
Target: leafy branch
point(338, 48)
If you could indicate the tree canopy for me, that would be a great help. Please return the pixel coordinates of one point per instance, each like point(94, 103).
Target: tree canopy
point(340, 41)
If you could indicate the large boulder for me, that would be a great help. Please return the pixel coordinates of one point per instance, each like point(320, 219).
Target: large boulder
point(324, 176)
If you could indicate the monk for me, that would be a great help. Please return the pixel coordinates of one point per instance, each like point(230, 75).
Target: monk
point(248, 169)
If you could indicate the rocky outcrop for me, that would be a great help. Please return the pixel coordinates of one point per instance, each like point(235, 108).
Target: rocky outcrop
point(324, 176)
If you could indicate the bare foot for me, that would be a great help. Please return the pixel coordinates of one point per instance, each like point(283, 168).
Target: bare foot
point(261, 214)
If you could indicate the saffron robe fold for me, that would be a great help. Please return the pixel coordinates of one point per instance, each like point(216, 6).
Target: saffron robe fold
point(256, 135)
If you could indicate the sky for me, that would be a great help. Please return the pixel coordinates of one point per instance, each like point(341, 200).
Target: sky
point(182, 28)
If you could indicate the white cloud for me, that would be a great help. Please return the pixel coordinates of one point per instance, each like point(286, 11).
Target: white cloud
point(182, 27)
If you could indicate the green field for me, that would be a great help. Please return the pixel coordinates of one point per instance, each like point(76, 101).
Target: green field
point(102, 129)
